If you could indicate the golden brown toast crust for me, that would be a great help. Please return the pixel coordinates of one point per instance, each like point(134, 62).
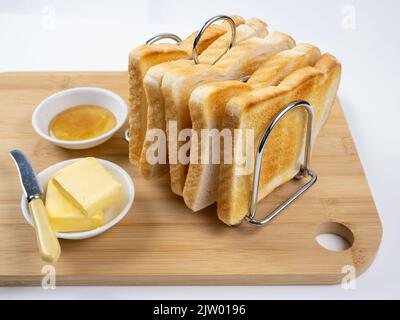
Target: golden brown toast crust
point(284, 150)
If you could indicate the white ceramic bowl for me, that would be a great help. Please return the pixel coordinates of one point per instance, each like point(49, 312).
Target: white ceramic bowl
point(112, 215)
point(58, 102)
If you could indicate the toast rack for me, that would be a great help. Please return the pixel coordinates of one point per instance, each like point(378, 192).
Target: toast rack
point(304, 172)
point(195, 53)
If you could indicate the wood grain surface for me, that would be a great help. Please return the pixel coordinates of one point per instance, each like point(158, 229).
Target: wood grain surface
point(160, 241)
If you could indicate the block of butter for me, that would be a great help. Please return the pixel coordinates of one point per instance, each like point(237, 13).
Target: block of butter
point(65, 217)
point(88, 185)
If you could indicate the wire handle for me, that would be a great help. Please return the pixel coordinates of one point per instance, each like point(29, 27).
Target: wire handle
point(209, 22)
point(162, 36)
point(305, 171)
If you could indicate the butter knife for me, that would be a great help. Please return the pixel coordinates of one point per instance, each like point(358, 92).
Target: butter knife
point(48, 244)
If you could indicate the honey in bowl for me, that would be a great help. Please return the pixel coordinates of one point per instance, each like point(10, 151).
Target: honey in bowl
point(82, 122)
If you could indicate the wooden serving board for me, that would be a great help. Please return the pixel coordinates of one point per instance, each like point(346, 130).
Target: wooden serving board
point(160, 241)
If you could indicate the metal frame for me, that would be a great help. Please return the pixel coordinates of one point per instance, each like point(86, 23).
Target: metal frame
point(305, 171)
point(232, 25)
point(162, 36)
point(127, 137)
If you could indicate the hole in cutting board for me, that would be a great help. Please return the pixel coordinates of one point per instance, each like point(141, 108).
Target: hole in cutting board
point(334, 236)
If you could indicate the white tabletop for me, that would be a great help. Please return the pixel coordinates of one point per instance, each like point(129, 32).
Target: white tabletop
point(363, 35)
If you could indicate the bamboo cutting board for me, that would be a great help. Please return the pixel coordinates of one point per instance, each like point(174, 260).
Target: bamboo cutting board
point(160, 241)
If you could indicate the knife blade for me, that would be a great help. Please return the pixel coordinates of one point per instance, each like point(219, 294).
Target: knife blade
point(27, 175)
point(48, 244)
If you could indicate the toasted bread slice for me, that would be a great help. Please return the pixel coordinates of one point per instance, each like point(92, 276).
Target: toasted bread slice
point(155, 100)
point(284, 63)
point(178, 84)
point(207, 107)
point(285, 148)
point(144, 57)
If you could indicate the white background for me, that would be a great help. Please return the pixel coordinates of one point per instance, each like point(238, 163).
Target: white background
point(97, 35)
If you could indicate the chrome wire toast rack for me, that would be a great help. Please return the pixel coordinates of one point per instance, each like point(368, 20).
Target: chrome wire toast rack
point(305, 170)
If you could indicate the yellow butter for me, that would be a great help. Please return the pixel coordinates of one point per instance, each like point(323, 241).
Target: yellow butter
point(65, 217)
point(88, 185)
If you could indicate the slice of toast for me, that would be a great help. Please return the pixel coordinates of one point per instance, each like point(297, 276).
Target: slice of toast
point(178, 84)
point(285, 148)
point(144, 57)
point(155, 100)
point(207, 108)
point(284, 63)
